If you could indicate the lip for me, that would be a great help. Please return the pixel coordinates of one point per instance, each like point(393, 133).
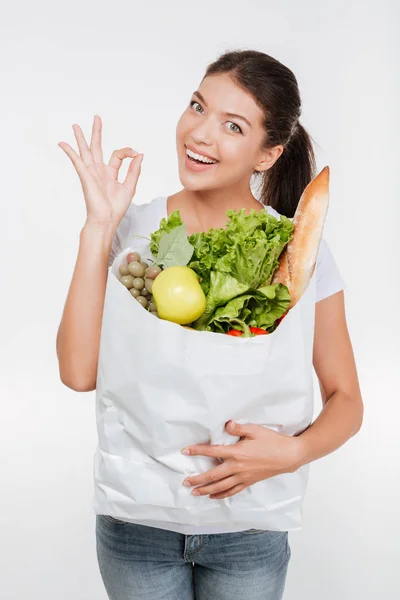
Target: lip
point(197, 167)
point(193, 149)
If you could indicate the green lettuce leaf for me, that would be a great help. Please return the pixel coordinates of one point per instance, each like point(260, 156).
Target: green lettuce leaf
point(256, 308)
point(277, 302)
point(174, 220)
point(174, 248)
point(248, 247)
point(222, 289)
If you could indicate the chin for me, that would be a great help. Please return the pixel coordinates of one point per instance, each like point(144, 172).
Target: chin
point(189, 185)
point(193, 181)
point(188, 181)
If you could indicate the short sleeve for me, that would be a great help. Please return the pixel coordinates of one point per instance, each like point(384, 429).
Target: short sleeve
point(329, 279)
point(120, 235)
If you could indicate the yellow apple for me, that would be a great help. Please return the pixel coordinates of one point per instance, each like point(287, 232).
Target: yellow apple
point(178, 295)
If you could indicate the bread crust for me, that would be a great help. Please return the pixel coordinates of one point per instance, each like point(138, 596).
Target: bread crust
point(297, 261)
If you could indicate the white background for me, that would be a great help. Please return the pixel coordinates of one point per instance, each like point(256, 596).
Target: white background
point(136, 64)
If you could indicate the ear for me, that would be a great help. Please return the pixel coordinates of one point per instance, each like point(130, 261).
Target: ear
point(269, 158)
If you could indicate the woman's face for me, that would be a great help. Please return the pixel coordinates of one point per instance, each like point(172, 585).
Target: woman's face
point(233, 141)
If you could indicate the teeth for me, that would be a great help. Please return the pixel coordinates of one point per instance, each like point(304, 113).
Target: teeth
point(200, 157)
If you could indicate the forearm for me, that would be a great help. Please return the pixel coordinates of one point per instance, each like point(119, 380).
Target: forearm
point(78, 337)
point(339, 420)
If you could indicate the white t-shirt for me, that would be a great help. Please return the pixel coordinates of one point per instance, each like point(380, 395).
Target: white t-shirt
point(143, 219)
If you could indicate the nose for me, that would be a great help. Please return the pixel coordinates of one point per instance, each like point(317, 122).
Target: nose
point(203, 133)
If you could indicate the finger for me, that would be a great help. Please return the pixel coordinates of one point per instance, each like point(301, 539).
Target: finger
point(118, 156)
point(218, 487)
point(219, 451)
point(133, 173)
point(84, 149)
point(236, 489)
point(75, 158)
point(248, 430)
point(95, 143)
point(219, 472)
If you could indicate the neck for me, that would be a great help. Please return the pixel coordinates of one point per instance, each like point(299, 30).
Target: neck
point(217, 202)
point(203, 209)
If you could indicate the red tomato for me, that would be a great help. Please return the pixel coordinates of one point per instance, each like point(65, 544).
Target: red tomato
point(258, 331)
point(234, 333)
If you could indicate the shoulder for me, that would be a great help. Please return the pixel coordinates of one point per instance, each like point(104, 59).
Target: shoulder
point(329, 279)
point(272, 211)
point(146, 208)
point(145, 216)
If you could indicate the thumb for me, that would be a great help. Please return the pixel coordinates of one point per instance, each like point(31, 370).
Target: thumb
point(233, 428)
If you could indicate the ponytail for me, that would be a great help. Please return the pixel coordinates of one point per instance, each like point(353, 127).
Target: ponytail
point(284, 183)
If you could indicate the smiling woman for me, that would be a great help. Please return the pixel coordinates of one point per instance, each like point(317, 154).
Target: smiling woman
point(241, 409)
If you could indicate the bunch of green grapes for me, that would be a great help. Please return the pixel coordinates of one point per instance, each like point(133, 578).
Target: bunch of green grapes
point(137, 276)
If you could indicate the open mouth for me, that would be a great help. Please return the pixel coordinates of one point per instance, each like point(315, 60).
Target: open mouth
point(198, 164)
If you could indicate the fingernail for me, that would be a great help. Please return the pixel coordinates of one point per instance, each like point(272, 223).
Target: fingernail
point(187, 484)
point(195, 493)
point(185, 451)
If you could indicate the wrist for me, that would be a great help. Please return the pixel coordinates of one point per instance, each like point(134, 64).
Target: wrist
point(99, 231)
point(300, 453)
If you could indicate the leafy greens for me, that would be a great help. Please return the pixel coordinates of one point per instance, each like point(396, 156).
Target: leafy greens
point(235, 266)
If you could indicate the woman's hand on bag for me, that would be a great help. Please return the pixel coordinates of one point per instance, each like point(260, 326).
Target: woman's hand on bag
point(107, 200)
point(259, 454)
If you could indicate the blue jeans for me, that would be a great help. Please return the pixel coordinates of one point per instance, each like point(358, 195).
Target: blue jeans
point(141, 562)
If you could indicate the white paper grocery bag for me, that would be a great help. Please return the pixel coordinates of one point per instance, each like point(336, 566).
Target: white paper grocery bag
point(161, 387)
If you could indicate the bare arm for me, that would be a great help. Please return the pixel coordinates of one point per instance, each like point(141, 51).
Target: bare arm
point(107, 200)
point(78, 338)
point(342, 413)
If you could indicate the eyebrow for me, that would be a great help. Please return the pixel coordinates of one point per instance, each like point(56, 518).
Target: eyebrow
point(227, 114)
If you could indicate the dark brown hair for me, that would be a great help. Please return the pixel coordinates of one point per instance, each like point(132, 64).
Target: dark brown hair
point(274, 88)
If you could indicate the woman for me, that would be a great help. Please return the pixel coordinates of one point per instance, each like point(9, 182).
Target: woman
point(260, 136)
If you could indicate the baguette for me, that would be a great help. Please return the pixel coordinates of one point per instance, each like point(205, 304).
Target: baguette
point(298, 259)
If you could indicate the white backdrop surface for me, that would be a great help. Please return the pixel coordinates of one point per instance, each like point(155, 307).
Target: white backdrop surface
point(136, 65)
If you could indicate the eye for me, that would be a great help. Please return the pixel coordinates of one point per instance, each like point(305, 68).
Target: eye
point(238, 130)
point(194, 102)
